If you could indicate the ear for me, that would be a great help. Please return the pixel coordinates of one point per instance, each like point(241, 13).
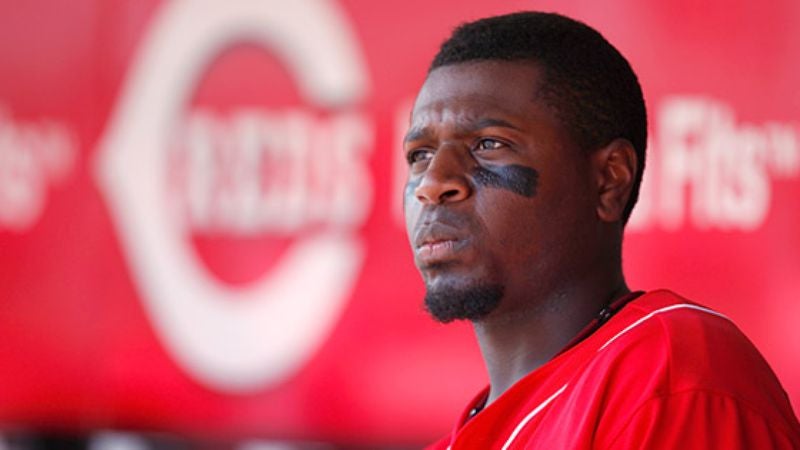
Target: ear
point(614, 167)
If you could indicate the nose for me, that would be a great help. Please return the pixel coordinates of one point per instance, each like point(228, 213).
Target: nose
point(444, 180)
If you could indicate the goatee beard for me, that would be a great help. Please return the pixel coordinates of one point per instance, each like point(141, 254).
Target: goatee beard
point(463, 303)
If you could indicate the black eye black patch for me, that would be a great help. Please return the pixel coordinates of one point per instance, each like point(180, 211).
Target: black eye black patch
point(515, 178)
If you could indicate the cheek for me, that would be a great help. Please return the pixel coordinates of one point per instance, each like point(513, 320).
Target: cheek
point(507, 202)
point(509, 221)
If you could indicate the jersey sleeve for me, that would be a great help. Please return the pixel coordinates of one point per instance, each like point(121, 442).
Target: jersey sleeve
point(702, 420)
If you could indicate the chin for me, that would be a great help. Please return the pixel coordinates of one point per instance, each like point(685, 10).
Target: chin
point(446, 303)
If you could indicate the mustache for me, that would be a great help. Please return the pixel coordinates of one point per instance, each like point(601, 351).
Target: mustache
point(437, 222)
point(441, 215)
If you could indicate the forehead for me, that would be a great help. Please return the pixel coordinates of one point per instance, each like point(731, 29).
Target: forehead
point(467, 92)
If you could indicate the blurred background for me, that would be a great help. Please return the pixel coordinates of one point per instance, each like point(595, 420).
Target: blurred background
point(201, 237)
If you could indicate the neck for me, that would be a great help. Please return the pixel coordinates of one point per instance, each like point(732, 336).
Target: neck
point(514, 343)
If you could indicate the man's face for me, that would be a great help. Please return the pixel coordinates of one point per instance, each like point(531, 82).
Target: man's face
point(498, 202)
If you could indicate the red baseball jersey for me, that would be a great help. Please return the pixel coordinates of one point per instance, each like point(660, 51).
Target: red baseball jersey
point(661, 373)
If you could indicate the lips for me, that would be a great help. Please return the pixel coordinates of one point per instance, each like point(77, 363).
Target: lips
point(438, 242)
point(438, 252)
point(438, 248)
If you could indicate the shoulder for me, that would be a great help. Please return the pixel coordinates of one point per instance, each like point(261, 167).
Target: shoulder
point(665, 355)
point(688, 344)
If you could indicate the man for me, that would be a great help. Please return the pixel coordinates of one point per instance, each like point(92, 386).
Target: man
point(526, 149)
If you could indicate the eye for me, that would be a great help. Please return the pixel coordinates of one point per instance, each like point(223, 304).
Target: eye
point(489, 144)
point(418, 155)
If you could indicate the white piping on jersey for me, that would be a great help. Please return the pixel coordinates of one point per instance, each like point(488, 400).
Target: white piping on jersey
point(659, 311)
point(531, 415)
point(542, 405)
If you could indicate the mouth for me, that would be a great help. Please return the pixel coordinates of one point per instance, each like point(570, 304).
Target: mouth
point(435, 251)
point(437, 240)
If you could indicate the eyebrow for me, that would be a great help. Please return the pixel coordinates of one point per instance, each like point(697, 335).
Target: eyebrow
point(418, 133)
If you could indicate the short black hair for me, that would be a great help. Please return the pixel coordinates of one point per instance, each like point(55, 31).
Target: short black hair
point(585, 80)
